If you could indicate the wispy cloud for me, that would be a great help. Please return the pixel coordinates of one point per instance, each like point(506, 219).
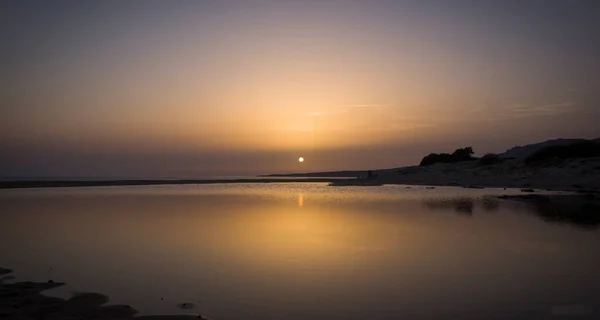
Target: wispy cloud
point(392, 126)
point(523, 110)
point(346, 108)
point(365, 105)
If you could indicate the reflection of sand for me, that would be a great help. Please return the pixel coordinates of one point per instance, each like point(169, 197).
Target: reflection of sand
point(23, 300)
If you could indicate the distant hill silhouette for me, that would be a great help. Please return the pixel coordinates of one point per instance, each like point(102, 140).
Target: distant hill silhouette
point(522, 152)
point(336, 174)
point(518, 152)
point(580, 149)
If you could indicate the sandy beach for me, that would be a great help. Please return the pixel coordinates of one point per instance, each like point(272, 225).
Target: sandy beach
point(572, 174)
point(565, 175)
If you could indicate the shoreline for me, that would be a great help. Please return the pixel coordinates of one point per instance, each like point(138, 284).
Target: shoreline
point(25, 300)
point(557, 175)
point(335, 182)
point(29, 184)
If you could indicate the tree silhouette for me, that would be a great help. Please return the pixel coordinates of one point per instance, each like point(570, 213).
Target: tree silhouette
point(463, 154)
point(459, 155)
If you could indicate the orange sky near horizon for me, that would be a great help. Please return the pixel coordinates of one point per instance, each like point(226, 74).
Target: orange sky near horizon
point(211, 80)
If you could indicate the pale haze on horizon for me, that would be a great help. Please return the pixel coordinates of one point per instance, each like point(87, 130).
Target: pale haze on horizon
point(184, 89)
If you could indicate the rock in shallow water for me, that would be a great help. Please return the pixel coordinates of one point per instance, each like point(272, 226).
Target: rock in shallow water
point(186, 305)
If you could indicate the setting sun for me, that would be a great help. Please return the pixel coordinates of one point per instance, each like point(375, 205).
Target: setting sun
point(301, 159)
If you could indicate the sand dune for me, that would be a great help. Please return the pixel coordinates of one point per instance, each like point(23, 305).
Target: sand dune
point(570, 174)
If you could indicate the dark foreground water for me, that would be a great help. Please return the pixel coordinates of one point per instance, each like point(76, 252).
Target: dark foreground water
point(307, 251)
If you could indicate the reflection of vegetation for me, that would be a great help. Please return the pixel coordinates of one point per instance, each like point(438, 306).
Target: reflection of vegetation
point(459, 155)
point(459, 205)
point(490, 204)
point(577, 213)
point(462, 205)
point(583, 216)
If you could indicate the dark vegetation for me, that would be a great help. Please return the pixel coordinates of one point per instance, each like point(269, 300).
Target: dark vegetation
point(488, 159)
point(459, 155)
point(583, 149)
point(577, 149)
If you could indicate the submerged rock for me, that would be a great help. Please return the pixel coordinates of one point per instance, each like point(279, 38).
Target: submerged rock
point(186, 305)
point(23, 300)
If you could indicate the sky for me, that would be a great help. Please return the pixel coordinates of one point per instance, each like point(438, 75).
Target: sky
point(186, 89)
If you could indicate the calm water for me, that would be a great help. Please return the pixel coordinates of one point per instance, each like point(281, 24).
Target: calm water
point(307, 251)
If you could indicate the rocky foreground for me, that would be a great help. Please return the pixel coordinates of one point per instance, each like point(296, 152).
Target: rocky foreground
point(24, 301)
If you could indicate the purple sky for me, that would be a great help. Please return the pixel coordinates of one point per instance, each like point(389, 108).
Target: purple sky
point(157, 89)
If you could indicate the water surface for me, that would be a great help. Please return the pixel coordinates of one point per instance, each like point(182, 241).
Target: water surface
point(307, 251)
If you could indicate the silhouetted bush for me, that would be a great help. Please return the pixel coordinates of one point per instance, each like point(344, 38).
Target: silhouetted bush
point(488, 159)
point(459, 155)
point(463, 154)
point(584, 149)
point(435, 158)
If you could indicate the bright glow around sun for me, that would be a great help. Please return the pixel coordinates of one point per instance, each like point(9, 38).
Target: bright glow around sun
point(300, 159)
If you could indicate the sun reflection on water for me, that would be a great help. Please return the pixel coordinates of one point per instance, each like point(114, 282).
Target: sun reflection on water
point(300, 200)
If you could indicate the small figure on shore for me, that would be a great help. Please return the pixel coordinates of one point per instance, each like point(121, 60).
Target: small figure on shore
point(369, 174)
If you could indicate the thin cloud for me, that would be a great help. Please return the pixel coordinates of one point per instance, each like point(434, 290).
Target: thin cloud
point(525, 110)
point(395, 126)
point(345, 108)
point(521, 110)
point(366, 105)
